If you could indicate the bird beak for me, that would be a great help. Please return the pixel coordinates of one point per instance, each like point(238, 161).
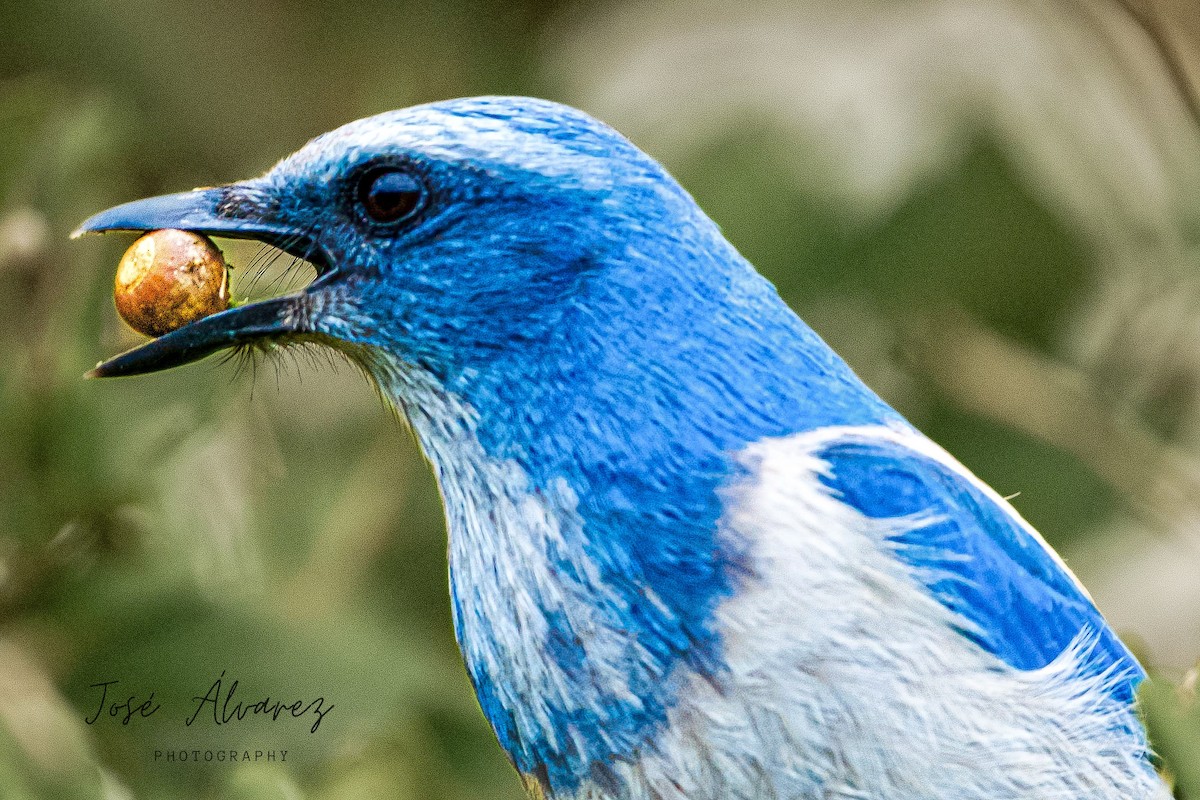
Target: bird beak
point(228, 212)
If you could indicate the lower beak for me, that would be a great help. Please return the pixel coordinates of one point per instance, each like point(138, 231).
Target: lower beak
point(228, 212)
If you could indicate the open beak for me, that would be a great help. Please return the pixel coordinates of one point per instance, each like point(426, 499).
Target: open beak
point(230, 212)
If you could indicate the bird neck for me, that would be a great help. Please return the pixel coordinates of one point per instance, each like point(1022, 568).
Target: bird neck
point(570, 649)
point(581, 484)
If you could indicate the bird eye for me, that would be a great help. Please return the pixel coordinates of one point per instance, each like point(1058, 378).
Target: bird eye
point(389, 194)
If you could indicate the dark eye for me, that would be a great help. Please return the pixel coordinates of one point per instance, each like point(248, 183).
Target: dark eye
point(388, 194)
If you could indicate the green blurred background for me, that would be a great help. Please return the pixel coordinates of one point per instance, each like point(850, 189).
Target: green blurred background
point(990, 207)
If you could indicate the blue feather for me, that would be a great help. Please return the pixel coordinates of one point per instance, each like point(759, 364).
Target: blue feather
point(978, 560)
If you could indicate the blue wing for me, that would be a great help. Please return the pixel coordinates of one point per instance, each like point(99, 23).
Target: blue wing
point(977, 558)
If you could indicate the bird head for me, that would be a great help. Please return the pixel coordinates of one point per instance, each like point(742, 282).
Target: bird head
point(452, 237)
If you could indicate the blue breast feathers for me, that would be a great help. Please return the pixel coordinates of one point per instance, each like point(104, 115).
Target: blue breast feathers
point(1015, 598)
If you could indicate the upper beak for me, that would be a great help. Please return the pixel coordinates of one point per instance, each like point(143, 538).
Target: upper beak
point(225, 211)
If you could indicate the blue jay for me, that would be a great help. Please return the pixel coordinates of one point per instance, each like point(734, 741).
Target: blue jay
point(692, 555)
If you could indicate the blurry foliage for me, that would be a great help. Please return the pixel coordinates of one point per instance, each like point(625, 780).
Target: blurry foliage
point(282, 527)
point(1173, 717)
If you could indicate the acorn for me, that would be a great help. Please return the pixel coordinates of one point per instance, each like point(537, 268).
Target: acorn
point(169, 278)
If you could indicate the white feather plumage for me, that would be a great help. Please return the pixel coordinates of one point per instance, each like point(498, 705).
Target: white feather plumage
point(848, 680)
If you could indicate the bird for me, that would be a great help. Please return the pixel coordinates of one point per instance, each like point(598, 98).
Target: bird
point(692, 555)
